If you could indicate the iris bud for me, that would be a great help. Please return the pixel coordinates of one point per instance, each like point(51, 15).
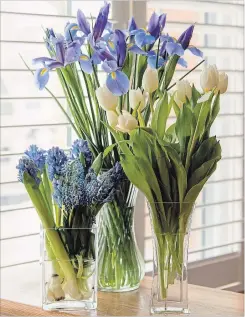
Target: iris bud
point(106, 99)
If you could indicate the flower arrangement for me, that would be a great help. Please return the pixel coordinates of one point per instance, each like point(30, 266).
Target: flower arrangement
point(67, 193)
point(126, 119)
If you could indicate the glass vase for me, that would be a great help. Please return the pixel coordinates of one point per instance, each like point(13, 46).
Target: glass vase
point(121, 266)
point(72, 284)
point(170, 258)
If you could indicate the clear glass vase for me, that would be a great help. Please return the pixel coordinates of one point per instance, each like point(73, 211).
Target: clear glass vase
point(170, 258)
point(121, 266)
point(69, 284)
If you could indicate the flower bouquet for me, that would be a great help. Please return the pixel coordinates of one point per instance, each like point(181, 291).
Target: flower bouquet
point(67, 192)
point(170, 165)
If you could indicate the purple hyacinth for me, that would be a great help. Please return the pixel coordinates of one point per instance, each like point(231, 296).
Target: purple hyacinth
point(56, 160)
point(81, 147)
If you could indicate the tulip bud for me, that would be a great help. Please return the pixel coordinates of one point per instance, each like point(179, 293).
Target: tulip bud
point(106, 99)
point(209, 78)
point(136, 98)
point(112, 118)
point(183, 92)
point(150, 80)
point(126, 122)
point(223, 83)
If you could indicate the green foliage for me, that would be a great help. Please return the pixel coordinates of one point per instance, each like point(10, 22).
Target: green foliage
point(171, 166)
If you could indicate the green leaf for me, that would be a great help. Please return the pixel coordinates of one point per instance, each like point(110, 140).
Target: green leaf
point(215, 109)
point(141, 67)
point(142, 144)
point(184, 127)
point(169, 71)
point(176, 108)
point(179, 171)
point(160, 115)
point(203, 153)
point(97, 164)
point(195, 96)
point(202, 172)
point(108, 149)
point(141, 119)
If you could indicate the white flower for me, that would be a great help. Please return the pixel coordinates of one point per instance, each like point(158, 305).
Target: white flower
point(135, 98)
point(209, 78)
point(223, 83)
point(112, 118)
point(204, 97)
point(126, 122)
point(106, 99)
point(150, 80)
point(183, 90)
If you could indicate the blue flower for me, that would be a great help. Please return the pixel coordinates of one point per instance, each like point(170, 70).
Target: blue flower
point(185, 39)
point(117, 81)
point(37, 155)
point(81, 147)
point(27, 165)
point(56, 160)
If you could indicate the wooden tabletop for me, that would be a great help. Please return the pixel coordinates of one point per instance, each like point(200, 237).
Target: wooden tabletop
point(203, 302)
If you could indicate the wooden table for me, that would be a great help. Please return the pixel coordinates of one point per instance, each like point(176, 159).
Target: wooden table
point(203, 302)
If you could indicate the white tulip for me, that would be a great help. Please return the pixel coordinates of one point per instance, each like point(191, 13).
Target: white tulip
point(150, 80)
point(126, 122)
point(209, 78)
point(204, 97)
point(183, 91)
point(136, 98)
point(223, 83)
point(106, 99)
point(112, 118)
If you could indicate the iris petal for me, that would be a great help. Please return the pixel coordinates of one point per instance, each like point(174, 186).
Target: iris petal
point(118, 83)
point(154, 26)
point(174, 48)
point(109, 66)
point(41, 60)
point(121, 47)
point(186, 36)
point(101, 21)
point(152, 61)
point(135, 49)
point(41, 77)
point(73, 52)
point(71, 31)
point(195, 51)
point(83, 23)
point(182, 62)
point(132, 26)
point(141, 38)
point(86, 64)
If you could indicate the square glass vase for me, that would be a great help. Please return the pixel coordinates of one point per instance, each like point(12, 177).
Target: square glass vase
point(69, 283)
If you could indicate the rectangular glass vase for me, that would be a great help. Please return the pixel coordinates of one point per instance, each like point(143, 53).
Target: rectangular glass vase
point(78, 289)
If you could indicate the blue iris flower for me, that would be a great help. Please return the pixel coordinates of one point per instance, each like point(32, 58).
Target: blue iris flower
point(185, 39)
point(117, 81)
point(63, 54)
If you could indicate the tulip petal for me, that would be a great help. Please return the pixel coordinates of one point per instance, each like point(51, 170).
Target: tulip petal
point(83, 22)
point(182, 62)
point(174, 48)
point(41, 77)
point(195, 51)
point(118, 83)
point(86, 64)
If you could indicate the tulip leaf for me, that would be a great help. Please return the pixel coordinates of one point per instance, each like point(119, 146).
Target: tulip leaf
point(215, 109)
point(203, 153)
point(184, 128)
point(169, 71)
point(97, 163)
point(108, 149)
point(195, 96)
point(176, 108)
point(160, 115)
point(179, 171)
